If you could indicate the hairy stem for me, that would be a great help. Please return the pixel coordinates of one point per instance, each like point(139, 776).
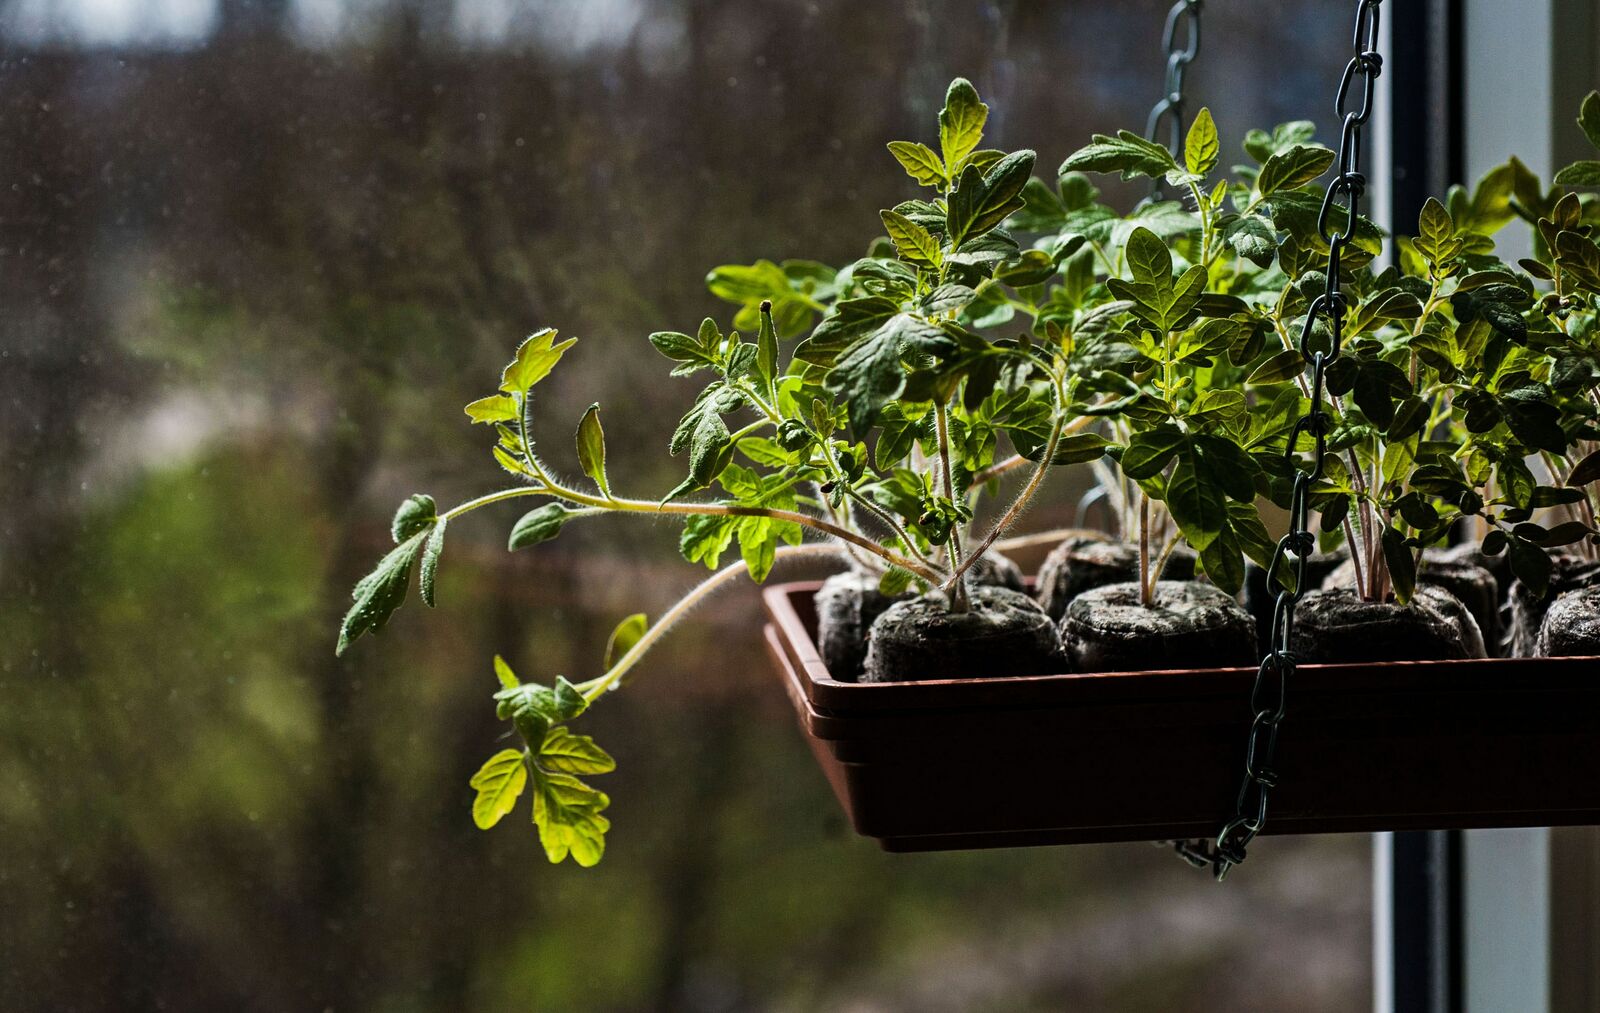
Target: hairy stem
point(956, 587)
point(1034, 480)
point(1144, 550)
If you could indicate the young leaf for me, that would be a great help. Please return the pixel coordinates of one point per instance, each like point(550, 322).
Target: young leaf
point(1581, 173)
point(1202, 148)
point(623, 638)
point(1127, 153)
point(767, 346)
point(494, 408)
point(1402, 564)
point(960, 123)
point(566, 753)
point(534, 360)
point(982, 201)
point(567, 813)
point(416, 514)
point(380, 592)
point(1589, 118)
point(502, 671)
point(920, 163)
point(1287, 170)
point(592, 449)
point(538, 525)
point(499, 783)
point(914, 243)
point(431, 551)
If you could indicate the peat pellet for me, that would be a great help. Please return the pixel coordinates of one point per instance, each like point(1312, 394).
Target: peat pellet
point(996, 570)
point(1525, 610)
point(1088, 561)
point(1337, 626)
point(847, 603)
point(1473, 585)
point(1471, 552)
point(1260, 601)
point(1004, 632)
point(1571, 625)
point(1187, 625)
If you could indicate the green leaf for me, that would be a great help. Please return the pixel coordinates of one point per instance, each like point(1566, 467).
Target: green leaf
point(622, 640)
point(1531, 565)
point(502, 671)
point(534, 360)
point(920, 163)
point(683, 348)
point(1402, 566)
point(895, 581)
point(380, 592)
point(705, 539)
point(417, 514)
point(870, 374)
point(1196, 501)
point(981, 201)
point(1435, 230)
point(1579, 258)
point(591, 440)
point(494, 408)
point(1288, 170)
point(849, 319)
point(567, 813)
point(1149, 452)
point(748, 283)
point(538, 525)
point(1589, 118)
point(431, 551)
point(1586, 470)
point(1127, 153)
point(1202, 148)
point(499, 783)
point(960, 123)
point(1584, 173)
point(1223, 561)
point(1285, 365)
point(767, 346)
point(758, 546)
point(565, 753)
point(705, 436)
point(914, 243)
point(1253, 238)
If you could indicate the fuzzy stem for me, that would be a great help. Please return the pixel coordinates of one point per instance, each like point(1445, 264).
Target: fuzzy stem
point(956, 588)
point(682, 607)
point(1034, 480)
point(1144, 551)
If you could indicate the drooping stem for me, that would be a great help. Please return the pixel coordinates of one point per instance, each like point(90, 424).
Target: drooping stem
point(681, 608)
point(597, 504)
point(956, 588)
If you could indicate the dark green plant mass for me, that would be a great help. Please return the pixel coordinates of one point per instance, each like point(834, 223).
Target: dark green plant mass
point(1004, 326)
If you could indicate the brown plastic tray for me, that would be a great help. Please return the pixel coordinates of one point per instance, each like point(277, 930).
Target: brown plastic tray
point(1139, 756)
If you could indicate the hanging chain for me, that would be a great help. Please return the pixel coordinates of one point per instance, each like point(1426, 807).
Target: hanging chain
point(1169, 109)
point(1267, 698)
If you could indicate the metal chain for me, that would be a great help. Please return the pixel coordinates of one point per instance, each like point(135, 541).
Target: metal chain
point(1267, 698)
point(1170, 107)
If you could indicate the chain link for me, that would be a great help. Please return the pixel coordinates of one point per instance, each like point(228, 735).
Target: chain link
point(1185, 16)
point(1336, 223)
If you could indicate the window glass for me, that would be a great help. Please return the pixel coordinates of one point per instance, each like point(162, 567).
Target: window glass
point(254, 255)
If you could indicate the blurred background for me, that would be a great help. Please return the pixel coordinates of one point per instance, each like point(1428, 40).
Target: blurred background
point(254, 256)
